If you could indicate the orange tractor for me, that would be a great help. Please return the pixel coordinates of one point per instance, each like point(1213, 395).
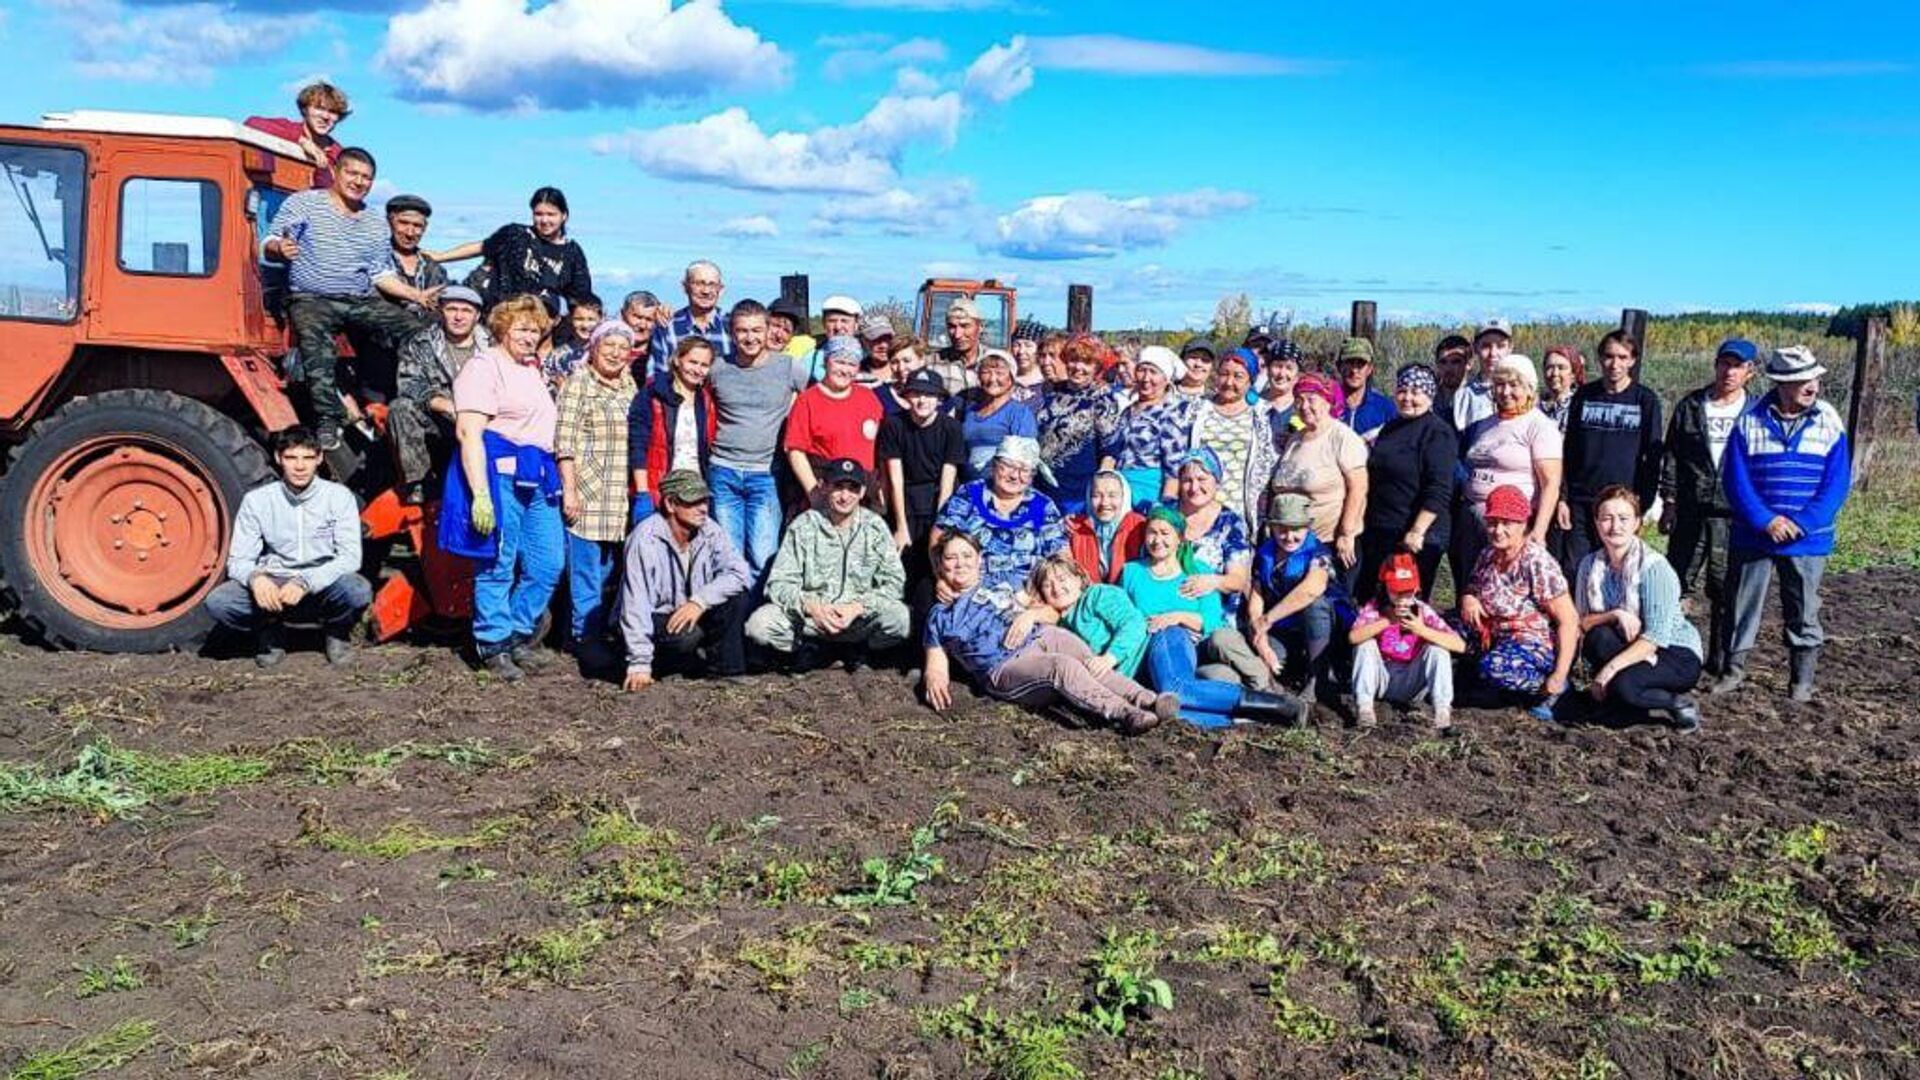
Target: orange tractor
point(997, 304)
point(139, 377)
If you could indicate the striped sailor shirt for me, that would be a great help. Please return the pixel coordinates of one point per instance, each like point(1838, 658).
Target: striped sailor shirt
point(341, 253)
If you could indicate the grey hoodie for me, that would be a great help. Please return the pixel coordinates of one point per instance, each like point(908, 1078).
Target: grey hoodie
point(656, 580)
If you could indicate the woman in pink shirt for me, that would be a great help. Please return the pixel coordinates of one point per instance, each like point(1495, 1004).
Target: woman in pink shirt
point(505, 422)
point(1519, 446)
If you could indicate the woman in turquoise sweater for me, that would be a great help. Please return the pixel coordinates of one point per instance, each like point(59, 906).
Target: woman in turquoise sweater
point(1177, 623)
point(1100, 615)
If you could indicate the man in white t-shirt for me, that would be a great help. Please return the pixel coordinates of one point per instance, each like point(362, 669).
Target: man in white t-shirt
point(1694, 501)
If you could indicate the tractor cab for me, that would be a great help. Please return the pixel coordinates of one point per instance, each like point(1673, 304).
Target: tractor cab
point(140, 345)
point(998, 311)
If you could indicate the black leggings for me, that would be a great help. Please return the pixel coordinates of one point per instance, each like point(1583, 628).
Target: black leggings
point(1641, 686)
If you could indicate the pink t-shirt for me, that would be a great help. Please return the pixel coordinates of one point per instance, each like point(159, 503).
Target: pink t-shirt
point(1504, 453)
point(1396, 645)
point(512, 395)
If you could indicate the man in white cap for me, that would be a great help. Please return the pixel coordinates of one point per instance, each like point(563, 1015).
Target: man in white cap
point(1787, 471)
point(956, 361)
point(1474, 400)
point(840, 316)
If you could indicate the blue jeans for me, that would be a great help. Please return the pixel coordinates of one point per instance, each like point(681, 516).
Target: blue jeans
point(1171, 660)
point(1305, 635)
point(591, 565)
point(747, 506)
point(511, 592)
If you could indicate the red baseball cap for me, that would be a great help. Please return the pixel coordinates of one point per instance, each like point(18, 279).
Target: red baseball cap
point(1508, 503)
point(1400, 576)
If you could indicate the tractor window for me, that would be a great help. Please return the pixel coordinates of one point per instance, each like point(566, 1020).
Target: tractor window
point(41, 243)
point(170, 227)
point(993, 319)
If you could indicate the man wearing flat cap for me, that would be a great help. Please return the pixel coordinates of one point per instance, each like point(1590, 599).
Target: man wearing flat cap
point(683, 590)
point(1787, 471)
point(837, 585)
point(417, 279)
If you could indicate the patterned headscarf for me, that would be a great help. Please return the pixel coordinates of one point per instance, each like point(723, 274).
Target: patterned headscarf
point(608, 328)
point(1208, 459)
point(1285, 349)
point(1417, 377)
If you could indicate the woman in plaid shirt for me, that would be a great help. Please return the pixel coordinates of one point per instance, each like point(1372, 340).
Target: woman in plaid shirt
point(591, 445)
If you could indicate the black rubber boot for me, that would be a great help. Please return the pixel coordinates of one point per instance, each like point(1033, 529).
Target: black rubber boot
point(1801, 663)
point(1735, 674)
point(1266, 708)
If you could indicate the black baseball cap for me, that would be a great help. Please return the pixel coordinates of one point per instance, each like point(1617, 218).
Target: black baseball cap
point(844, 471)
point(925, 382)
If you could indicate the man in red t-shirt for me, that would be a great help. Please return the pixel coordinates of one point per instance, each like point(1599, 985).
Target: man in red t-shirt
point(322, 107)
point(833, 418)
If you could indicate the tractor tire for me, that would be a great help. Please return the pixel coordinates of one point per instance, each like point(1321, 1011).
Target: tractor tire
point(115, 518)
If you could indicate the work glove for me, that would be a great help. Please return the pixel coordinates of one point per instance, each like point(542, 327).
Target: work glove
point(481, 515)
point(642, 507)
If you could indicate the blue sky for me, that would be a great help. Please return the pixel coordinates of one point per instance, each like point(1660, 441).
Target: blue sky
point(1448, 161)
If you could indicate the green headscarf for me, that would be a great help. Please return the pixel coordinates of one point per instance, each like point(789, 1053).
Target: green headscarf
point(1184, 555)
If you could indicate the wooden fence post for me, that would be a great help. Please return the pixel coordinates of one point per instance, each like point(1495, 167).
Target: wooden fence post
point(1363, 323)
point(1869, 367)
point(1634, 321)
point(1079, 309)
point(793, 289)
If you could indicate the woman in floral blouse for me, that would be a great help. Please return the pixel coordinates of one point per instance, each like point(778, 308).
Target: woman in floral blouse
point(1518, 610)
point(1151, 435)
point(1077, 425)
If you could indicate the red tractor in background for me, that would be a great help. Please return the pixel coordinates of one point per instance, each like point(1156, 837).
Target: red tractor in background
point(997, 304)
point(139, 378)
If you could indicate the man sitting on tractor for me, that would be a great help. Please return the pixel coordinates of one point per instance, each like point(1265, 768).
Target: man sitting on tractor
point(420, 420)
point(338, 251)
point(295, 557)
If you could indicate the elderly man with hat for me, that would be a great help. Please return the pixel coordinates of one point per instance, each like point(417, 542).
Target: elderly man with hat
point(955, 362)
point(420, 417)
point(837, 582)
point(841, 316)
point(683, 589)
point(1368, 410)
point(417, 279)
point(1693, 498)
point(1474, 398)
point(1787, 472)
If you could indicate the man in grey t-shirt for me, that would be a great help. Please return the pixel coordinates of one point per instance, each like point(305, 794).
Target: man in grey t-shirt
point(752, 391)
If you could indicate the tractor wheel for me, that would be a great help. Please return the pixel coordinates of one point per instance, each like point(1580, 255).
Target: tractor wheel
point(115, 516)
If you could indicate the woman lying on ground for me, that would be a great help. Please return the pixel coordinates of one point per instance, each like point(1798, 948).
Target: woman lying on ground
point(1517, 606)
point(1044, 664)
point(1402, 649)
point(1177, 622)
point(1644, 654)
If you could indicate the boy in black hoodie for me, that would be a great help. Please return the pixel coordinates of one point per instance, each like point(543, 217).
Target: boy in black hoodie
point(1613, 437)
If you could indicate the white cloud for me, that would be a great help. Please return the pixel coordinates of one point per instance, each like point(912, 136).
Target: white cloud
point(911, 80)
point(1803, 69)
point(1116, 55)
point(1002, 73)
point(758, 225)
point(862, 158)
point(897, 211)
point(1092, 224)
point(854, 61)
point(187, 43)
point(1812, 307)
point(571, 54)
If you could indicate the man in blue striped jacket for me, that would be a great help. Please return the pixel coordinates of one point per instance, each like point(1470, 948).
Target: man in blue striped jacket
point(1787, 473)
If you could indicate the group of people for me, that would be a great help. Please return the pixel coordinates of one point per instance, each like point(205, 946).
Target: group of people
point(1221, 535)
